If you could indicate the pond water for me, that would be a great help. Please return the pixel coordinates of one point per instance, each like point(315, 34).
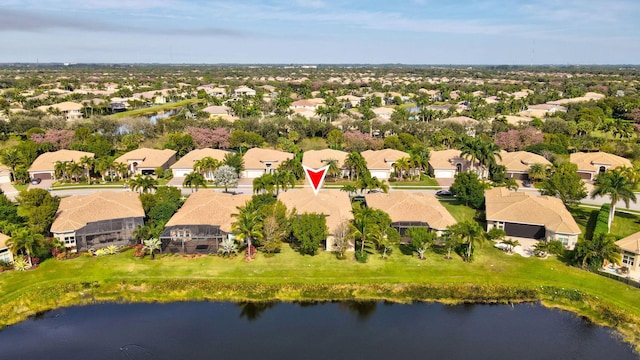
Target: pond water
point(347, 330)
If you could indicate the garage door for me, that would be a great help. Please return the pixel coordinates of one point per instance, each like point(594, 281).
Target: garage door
point(525, 231)
point(585, 176)
point(42, 176)
point(182, 172)
point(444, 174)
point(380, 174)
point(518, 176)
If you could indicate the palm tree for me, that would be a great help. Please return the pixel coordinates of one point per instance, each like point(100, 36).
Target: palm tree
point(601, 247)
point(25, 240)
point(75, 170)
point(538, 171)
point(400, 165)
point(471, 150)
point(60, 169)
point(234, 160)
point(283, 180)
point(151, 245)
point(248, 225)
point(510, 244)
point(265, 183)
point(194, 179)
point(487, 156)
point(103, 166)
point(87, 164)
point(419, 158)
point(333, 170)
point(617, 186)
point(122, 169)
point(363, 225)
point(293, 166)
point(206, 166)
point(356, 164)
point(11, 158)
point(471, 231)
point(144, 184)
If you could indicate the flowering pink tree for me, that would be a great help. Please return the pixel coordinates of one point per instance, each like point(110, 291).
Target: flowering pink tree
point(357, 141)
point(204, 137)
point(514, 140)
point(60, 139)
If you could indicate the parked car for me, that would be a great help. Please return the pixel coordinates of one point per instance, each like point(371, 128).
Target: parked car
point(444, 193)
point(526, 183)
point(36, 181)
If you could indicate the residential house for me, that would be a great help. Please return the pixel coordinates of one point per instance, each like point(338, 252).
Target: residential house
point(261, 161)
point(98, 220)
point(221, 112)
point(350, 101)
point(5, 174)
point(43, 167)
point(380, 162)
point(591, 164)
point(5, 253)
point(334, 205)
point(630, 247)
point(526, 215)
point(184, 166)
point(469, 124)
point(70, 110)
point(244, 91)
point(316, 159)
point(217, 92)
point(145, 161)
point(202, 222)
point(541, 110)
point(445, 164)
point(304, 104)
point(409, 209)
point(517, 163)
point(383, 112)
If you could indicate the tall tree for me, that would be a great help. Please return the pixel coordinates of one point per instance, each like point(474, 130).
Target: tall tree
point(194, 179)
point(248, 226)
point(617, 186)
point(26, 241)
point(565, 183)
point(471, 232)
point(225, 176)
point(12, 158)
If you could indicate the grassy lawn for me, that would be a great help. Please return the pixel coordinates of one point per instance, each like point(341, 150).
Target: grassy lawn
point(21, 187)
point(154, 109)
point(624, 224)
point(426, 182)
point(458, 210)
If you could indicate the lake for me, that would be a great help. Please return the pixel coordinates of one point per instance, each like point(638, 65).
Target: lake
point(346, 330)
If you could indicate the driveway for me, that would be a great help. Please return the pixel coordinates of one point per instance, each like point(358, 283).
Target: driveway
point(44, 184)
point(9, 190)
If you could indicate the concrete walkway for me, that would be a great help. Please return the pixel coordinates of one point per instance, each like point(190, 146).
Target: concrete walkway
point(10, 191)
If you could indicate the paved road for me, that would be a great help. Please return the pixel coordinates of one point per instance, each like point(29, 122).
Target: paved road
point(248, 189)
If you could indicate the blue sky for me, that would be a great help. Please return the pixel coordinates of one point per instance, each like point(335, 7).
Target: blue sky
point(321, 31)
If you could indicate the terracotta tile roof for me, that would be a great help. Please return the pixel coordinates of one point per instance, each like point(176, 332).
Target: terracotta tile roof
point(47, 161)
point(383, 111)
point(446, 159)
point(382, 159)
point(147, 158)
point(77, 211)
point(520, 160)
point(3, 240)
point(631, 243)
point(216, 110)
point(462, 120)
point(410, 206)
point(308, 103)
point(63, 106)
point(334, 204)
point(318, 158)
point(592, 161)
point(254, 158)
point(209, 207)
point(526, 208)
point(187, 161)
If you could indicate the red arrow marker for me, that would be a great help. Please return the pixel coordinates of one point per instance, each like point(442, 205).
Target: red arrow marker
point(315, 177)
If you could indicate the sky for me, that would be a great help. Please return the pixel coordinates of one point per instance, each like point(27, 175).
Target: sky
point(321, 31)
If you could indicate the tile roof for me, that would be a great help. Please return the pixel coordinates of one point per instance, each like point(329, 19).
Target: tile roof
point(410, 206)
point(148, 158)
point(631, 243)
point(187, 161)
point(77, 211)
point(254, 158)
point(381, 159)
point(336, 205)
point(209, 207)
point(526, 208)
point(47, 161)
point(318, 158)
point(3, 240)
point(591, 161)
point(520, 160)
point(445, 159)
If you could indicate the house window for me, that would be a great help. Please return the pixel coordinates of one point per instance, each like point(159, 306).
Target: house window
point(500, 225)
point(629, 260)
point(70, 240)
point(458, 167)
point(602, 169)
point(563, 239)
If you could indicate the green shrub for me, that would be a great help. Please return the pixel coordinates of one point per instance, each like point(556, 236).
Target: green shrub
point(602, 222)
point(362, 256)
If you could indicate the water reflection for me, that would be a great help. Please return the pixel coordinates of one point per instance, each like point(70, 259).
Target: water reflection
point(253, 310)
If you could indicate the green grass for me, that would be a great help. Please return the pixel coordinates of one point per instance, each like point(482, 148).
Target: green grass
point(624, 224)
point(458, 210)
point(154, 109)
point(427, 181)
point(21, 187)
